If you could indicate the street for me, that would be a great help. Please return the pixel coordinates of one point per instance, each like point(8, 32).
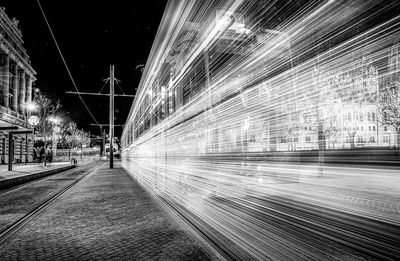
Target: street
point(105, 216)
point(200, 130)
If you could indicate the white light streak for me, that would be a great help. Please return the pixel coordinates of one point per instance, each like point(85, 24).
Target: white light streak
point(266, 106)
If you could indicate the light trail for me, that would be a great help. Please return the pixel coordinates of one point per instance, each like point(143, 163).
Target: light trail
point(249, 113)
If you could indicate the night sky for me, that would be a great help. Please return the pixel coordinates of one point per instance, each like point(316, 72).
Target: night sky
point(92, 35)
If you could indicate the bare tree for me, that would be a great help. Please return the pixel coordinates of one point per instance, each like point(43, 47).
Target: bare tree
point(46, 109)
point(321, 101)
point(72, 137)
point(291, 129)
point(388, 98)
point(68, 134)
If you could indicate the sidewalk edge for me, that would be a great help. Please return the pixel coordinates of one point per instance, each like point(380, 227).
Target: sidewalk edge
point(8, 183)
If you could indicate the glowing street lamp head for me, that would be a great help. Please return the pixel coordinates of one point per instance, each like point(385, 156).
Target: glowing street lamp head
point(54, 120)
point(31, 106)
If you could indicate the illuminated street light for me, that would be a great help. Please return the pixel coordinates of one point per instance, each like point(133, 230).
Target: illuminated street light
point(54, 120)
point(31, 106)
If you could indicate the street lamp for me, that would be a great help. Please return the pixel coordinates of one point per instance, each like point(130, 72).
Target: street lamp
point(30, 106)
point(55, 121)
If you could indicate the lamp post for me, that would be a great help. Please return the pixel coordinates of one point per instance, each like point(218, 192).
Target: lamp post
point(30, 106)
point(55, 121)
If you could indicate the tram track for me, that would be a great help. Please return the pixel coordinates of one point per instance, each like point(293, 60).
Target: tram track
point(7, 233)
point(29, 183)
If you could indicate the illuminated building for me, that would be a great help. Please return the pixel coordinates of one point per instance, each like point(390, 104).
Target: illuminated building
point(17, 76)
point(351, 124)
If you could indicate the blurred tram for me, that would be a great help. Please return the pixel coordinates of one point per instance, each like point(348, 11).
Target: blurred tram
point(233, 118)
point(224, 102)
point(204, 120)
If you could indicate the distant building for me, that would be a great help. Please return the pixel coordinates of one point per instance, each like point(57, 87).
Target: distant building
point(356, 125)
point(16, 78)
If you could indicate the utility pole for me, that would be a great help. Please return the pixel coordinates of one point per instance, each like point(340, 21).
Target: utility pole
point(111, 116)
point(112, 95)
point(104, 143)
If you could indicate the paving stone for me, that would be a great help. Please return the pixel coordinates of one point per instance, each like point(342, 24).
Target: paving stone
point(107, 216)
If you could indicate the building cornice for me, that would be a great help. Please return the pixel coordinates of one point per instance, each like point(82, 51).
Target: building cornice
point(14, 48)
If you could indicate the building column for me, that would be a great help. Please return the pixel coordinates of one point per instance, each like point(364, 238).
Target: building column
point(28, 88)
point(4, 79)
point(14, 87)
point(21, 92)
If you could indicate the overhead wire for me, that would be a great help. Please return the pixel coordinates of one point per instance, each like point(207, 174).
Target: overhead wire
point(65, 63)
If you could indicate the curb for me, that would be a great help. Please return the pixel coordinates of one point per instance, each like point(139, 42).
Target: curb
point(8, 183)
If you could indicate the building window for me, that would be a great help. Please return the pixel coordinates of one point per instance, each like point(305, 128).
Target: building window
point(369, 116)
point(362, 128)
point(308, 139)
point(373, 128)
point(385, 128)
point(369, 128)
point(373, 116)
point(372, 139)
point(386, 139)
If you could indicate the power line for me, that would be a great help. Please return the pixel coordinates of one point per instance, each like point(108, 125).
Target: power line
point(100, 94)
point(105, 124)
point(65, 63)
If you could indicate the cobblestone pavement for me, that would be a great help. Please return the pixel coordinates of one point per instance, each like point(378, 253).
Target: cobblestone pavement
point(18, 201)
point(107, 216)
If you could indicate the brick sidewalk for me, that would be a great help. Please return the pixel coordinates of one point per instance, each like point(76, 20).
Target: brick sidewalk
point(107, 216)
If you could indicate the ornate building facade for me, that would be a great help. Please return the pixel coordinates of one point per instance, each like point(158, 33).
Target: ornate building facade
point(16, 78)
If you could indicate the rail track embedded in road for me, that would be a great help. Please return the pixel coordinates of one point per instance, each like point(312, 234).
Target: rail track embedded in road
point(11, 230)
